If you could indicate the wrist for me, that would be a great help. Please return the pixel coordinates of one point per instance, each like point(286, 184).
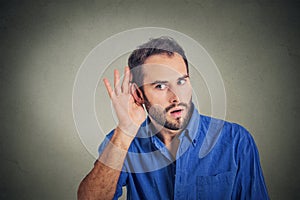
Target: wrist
point(122, 138)
point(129, 130)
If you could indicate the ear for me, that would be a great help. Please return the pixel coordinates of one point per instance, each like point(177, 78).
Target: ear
point(137, 94)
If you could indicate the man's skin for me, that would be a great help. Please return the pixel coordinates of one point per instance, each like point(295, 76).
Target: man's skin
point(167, 96)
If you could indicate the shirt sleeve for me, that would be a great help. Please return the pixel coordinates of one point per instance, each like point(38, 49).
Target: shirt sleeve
point(249, 182)
point(123, 176)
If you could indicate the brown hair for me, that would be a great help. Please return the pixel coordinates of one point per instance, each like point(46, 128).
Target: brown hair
point(162, 45)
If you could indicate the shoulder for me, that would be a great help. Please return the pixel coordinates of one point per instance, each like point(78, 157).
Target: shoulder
point(226, 130)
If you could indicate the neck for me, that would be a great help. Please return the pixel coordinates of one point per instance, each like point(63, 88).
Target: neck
point(168, 137)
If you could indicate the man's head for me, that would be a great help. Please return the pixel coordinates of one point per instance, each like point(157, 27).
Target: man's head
point(160, 72)
point(162, 45)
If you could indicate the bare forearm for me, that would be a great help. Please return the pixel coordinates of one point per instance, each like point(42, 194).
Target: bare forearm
point(102, 181)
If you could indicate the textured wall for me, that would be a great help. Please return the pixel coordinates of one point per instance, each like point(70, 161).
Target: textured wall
point(255, 44)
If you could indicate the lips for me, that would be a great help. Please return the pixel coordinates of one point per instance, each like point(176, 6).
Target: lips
point(176, 112)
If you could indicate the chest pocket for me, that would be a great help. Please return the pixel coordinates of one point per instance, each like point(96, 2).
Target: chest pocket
point(216, 187)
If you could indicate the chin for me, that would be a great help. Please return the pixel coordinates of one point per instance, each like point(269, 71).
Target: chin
point(175, 126)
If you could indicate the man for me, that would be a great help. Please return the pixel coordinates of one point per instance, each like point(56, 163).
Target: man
point(162, 157)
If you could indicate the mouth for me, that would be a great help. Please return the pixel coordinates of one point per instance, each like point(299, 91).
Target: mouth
point(176, 113)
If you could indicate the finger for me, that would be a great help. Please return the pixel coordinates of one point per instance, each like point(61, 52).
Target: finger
point(125, 84)
point(116, 82)
point(108, 87)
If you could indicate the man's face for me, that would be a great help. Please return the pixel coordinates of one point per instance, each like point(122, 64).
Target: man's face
point(167, 90)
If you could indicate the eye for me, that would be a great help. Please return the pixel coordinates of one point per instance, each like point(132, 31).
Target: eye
point(161, 86)
point(181, 81)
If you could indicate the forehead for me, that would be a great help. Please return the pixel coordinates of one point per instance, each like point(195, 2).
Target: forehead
point(163, 67)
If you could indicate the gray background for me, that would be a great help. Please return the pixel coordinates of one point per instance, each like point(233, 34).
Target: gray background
point(255, 44)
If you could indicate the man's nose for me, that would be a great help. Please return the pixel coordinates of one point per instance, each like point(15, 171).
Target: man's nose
point(173, 97)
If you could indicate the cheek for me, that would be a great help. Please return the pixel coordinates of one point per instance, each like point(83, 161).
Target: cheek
point(154, 97)
point(158, 97)
point(156, 109)
point(186, 93)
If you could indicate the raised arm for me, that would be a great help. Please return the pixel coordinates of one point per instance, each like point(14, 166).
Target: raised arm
point(101, 182)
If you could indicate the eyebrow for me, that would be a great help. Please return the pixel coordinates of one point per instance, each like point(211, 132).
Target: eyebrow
point(160, 82)
point(183, 77)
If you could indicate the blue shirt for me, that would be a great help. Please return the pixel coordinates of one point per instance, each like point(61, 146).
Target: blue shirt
point(215, 160)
